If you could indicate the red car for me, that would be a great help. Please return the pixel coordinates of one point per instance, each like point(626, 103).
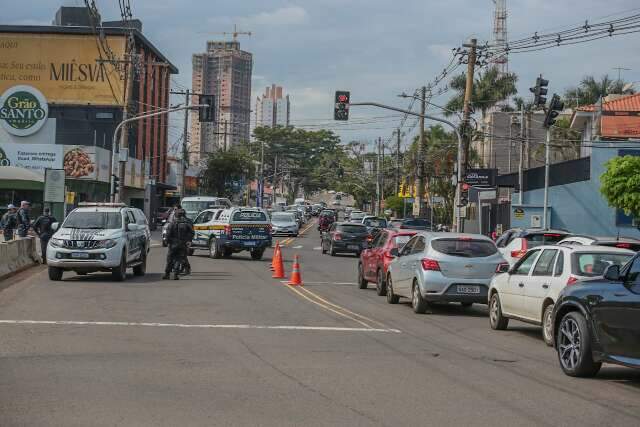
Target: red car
point(374, 261)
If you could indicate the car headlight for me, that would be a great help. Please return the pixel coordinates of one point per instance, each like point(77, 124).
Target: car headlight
point(106, 244)
point(56, 243)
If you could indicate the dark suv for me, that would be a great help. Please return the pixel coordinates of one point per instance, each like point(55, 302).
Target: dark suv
point(345, 237)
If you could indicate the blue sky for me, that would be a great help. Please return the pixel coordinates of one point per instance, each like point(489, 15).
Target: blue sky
point(375, 48)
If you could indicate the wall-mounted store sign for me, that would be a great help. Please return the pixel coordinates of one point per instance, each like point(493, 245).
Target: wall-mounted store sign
point(23, 110)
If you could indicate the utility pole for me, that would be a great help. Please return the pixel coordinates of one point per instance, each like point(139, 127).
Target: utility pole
point(185, 146)
point(381, 173)
point(378, 179)
point(398, 161)
point(521, 163)
point(547, 161)
point(420, 177)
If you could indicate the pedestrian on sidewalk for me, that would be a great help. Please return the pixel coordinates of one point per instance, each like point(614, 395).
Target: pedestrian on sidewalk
point(9, 222)
point(43, 228)
point(24, 220)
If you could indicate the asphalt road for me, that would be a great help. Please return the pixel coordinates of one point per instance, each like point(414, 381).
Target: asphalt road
point(231, 346)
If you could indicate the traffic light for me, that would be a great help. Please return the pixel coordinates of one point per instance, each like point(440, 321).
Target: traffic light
point(341, 109)
point(555, 106)
point(464, 194)
point(207, 114)
point(539, 92)
point(116, 184)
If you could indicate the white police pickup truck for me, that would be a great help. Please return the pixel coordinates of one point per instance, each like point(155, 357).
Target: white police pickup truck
point(100, 237)
point(229, 231)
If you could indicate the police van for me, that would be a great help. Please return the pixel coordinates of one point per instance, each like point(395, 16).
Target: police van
point(100, 237)
point(224, 232)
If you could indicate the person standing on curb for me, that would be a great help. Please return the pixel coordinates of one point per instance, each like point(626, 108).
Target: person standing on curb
point(9, 222)
point(24, 221)
point(179, 235)
point(42, 227)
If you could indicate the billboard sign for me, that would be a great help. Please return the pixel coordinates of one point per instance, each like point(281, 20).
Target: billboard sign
point(87, 162)
point(481, 177)
point(65, 68)
point(23, 110)
point(34, 157)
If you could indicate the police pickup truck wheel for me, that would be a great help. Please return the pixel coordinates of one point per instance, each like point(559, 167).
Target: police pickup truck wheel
point(190, 252)
point(55, 273)
point(141, 269)
point(256, 254)
point(119, 273)
point(214, 250)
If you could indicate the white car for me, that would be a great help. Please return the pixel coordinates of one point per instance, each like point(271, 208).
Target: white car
point(529, 289)
point(614, 241)
point(513, 244)
point(100, 237)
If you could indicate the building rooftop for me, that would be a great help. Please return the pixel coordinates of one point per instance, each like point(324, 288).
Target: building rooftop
point(624, 103)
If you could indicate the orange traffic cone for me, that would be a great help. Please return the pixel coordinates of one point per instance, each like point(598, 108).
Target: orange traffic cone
point(296, 277)
point(278, 270)
point(273, 258)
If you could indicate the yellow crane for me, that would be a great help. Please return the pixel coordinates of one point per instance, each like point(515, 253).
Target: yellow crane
point(235, 33)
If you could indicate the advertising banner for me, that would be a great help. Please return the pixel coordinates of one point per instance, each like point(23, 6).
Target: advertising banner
point(34, 157)
point(65, 68)
point(87, 162)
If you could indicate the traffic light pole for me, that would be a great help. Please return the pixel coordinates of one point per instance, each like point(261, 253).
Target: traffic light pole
point(437, 119)
point(115, 196)
point(547, 158)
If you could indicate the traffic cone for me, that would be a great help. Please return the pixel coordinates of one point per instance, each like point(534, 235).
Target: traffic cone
point(278, 270)
point(296, 277)
point(273, 258)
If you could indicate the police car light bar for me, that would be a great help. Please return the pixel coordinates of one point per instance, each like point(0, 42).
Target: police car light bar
point(102, 204)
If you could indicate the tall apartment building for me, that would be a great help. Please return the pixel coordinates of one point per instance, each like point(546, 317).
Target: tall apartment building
point(272, 108)
point(224, 71)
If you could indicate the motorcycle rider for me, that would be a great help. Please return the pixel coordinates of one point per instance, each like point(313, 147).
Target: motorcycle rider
point(179, 234)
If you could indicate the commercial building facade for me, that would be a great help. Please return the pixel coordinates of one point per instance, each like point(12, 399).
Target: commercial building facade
point(79, 80)
point(224, 70)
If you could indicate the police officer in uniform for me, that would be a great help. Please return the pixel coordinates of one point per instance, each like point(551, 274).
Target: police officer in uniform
point(9, 222)
point(42, 227)
point(24, 221)
point(179, 234)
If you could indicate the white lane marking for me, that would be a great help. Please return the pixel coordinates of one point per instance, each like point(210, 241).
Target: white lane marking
point(297, 247)
point(323, 283)
point(196, 326)
point(317, 248)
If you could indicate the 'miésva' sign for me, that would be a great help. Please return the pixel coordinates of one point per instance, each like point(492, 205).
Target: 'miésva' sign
point(481, 177)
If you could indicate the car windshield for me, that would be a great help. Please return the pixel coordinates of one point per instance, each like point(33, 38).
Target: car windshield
point(248, 216)
point(593, 264)
point(416, 223)
point(352, 228)
point(401, 240)
point(197, 205)
point(97, 220)
point(538, 239)
point(375, 222)
point(282, 217)
point(468, 248)
point(359, 215)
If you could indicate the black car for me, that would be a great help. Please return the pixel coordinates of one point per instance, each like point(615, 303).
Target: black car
point(598, 321)
point(415, 224)
point(345, 237)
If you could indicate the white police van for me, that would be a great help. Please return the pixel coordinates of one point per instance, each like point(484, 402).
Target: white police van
point(100, 237)
point(228, 231)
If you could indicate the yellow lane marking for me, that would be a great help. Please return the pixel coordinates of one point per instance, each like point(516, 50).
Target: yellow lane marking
point(291, 239)
point(326, 307)
point(344, 309)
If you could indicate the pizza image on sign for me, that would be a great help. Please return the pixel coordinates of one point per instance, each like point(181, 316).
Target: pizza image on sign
point(77, 163)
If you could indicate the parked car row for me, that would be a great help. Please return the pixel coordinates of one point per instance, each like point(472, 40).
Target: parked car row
point(584, 292)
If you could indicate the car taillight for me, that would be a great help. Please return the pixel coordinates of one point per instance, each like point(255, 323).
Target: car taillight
point(522, 251)
point(369, 238)
point(501, 266)
point(572, 280)
point(387, 254)
point(337, 236)
point(430, 264)
point(227, 230)
point(623, 245)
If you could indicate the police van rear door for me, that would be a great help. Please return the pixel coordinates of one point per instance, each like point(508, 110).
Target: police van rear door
point(250, 226)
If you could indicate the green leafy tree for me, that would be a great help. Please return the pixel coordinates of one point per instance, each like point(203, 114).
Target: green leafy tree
point(224, 167)
point(620, 184)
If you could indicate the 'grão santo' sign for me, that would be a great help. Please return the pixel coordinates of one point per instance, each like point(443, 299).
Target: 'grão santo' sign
point(23, 110)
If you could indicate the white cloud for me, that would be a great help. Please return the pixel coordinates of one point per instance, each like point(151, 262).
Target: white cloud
point(310, 97)
point(441, 51)
point(291, 15)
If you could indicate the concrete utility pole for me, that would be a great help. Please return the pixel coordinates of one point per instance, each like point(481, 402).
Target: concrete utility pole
point(466, 114)
point(420, 178)
point(521, 163)
point(185, 146)
point(547, 161)
point(378, 198)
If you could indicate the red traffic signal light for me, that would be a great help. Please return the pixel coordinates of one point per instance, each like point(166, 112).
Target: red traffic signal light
point(341, 107)
point(465, 186)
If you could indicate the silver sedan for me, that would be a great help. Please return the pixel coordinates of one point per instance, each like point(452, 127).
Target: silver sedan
point(448, 267)
point(284, 223)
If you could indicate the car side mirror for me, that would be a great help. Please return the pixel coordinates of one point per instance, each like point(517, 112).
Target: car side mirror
point(55, 226)
point(132, 227)
point(504, 268)
point(394, 252)
point(612, 273)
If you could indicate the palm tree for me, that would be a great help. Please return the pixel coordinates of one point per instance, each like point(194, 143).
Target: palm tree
point(590, 90)
point(489, 89)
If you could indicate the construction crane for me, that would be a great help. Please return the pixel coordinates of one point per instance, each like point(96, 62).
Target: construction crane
point(234, 34)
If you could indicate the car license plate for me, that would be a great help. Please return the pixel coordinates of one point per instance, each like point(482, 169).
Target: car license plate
point(249, 243)
point(82, 255)
point(354, 247)
point(468, 289)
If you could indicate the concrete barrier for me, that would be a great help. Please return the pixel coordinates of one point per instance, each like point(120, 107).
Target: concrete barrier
point(17, 255)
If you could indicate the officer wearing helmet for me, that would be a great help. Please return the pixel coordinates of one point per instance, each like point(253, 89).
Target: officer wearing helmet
point(179, 234)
